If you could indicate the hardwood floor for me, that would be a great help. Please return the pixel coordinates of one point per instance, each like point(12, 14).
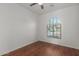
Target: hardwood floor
point(44, 49)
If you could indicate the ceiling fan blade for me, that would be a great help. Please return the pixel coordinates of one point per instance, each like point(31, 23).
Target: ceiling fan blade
point(33, 4)
point(42, 7)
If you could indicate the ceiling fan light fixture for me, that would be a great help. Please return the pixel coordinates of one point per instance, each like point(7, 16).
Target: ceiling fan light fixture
point(40, 3)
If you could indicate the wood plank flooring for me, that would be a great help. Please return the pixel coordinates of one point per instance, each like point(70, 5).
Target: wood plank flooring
point(44, 49)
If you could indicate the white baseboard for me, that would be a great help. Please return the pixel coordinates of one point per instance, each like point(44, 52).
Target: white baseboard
point(18, 47)
point(59, 44)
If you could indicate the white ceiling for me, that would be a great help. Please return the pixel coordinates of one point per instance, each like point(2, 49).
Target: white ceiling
point(48, 7)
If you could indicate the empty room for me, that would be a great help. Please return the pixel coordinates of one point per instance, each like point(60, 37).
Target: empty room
point(39, 29)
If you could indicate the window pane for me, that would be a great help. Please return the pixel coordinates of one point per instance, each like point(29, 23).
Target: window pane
point(54, 27)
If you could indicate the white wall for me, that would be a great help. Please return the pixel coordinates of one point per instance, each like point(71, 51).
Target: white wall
point(70, 27)
point(17, 27)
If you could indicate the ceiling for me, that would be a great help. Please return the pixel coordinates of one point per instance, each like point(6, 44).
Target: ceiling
point(48, 7)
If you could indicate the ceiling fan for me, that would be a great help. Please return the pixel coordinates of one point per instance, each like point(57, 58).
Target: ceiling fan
point(40, 4)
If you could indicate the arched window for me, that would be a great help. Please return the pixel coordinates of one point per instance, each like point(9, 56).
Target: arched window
point(54, 27)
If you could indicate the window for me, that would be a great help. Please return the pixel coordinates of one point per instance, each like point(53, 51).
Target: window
point(54, 28)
